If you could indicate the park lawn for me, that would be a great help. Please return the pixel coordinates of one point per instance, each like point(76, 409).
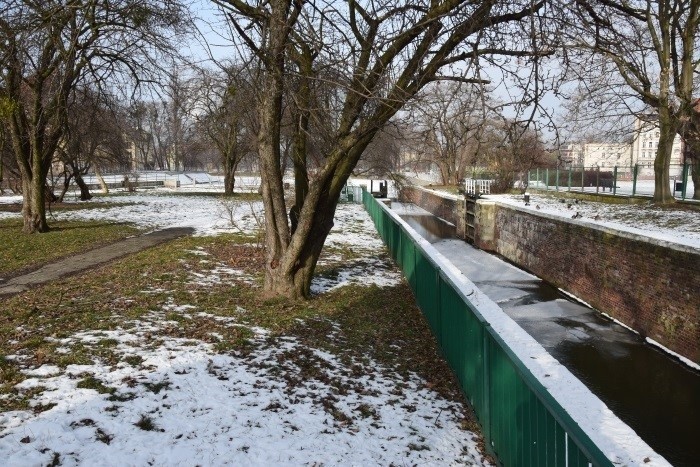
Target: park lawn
point(21, 252)
point(354, 354)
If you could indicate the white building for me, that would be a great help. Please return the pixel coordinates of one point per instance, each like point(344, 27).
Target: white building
point(603, 155)
point(607, 156)
point(645, 145)
point(571, 155)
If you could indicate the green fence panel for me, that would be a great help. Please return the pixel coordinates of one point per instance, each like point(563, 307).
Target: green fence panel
point(452, 326)
point(427, 288)
point(408, 260)
point(522, 423)
point(472, 374)
point(396, 243)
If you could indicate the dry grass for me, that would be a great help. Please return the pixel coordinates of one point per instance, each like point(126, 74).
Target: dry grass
point(357, 324)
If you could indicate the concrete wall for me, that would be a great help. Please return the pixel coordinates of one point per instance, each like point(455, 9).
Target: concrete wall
point(651, 286)
point(446, 207)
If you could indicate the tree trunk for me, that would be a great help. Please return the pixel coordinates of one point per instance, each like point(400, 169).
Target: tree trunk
point(84, 189)
point(300, 139)
point(277, 281)
point(229, 182)
point(280, 279)
point(34, 205)
point(695, 176)
point(662, 181)
point(66, 184)
point(292, 277)
point(230, 165)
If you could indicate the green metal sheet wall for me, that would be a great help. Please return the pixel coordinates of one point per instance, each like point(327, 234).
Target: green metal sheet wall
point(522, 423)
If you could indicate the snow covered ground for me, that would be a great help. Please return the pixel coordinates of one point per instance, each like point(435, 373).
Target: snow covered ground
point(186, 404)
point(180, 401)
point(157, 209)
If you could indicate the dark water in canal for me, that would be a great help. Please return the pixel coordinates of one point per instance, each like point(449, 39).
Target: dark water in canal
point(430, 228)
point(654, 393)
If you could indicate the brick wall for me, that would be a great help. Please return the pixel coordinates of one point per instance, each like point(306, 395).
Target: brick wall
point(650, 286)
point(445, 207)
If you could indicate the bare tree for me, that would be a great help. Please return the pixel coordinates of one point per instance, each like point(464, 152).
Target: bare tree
point(47, 49)
point(381, 55)
point(228, 118)
point(93, 138)
point(690, 131)
point(646, 50)
point(449, 120)
point(509, 149)
point(382, 157)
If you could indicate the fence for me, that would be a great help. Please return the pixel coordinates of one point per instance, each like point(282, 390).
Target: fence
point(521, 421)
point(474, 187)
point(636, 180)
point(351, 194)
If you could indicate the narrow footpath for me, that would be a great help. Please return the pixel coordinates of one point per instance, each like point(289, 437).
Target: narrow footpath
point(90, 259)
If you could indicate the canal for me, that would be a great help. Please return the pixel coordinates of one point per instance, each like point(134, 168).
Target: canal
point(650, 390)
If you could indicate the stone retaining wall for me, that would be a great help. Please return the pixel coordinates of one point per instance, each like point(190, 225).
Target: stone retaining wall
point(649, 285)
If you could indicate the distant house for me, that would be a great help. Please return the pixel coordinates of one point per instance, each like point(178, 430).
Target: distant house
point(641, 152)
point(608, 155)
point(571, 155)
point(645, 145)
point(603, 155)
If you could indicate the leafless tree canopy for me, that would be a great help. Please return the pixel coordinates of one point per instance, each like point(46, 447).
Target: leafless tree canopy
point(639, 58)
point(48, 48)
point(350, 67)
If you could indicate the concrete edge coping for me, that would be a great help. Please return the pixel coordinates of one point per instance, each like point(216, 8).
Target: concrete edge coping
point(612, 436)
point(442, 194)
point(605, 229)
point(582, 223)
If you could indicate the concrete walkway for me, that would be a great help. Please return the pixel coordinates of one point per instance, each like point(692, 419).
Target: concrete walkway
point(83, 261)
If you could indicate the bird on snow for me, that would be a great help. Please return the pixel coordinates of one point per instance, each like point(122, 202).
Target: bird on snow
point(577, 215)
point(537, 206)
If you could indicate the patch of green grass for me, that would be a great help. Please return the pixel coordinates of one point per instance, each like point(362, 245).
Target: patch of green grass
point(357, 324)
point(108, 343)
point(133, 360)
point(146, 423)
point(90, 382)
point(155, 388)
point(10, 375)
point(22, 252)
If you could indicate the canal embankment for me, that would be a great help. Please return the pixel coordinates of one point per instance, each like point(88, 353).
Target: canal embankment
point(648, 283)
point(658, 397)
point(533, 410)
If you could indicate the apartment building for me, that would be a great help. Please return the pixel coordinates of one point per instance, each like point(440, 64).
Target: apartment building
point(645, 145)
